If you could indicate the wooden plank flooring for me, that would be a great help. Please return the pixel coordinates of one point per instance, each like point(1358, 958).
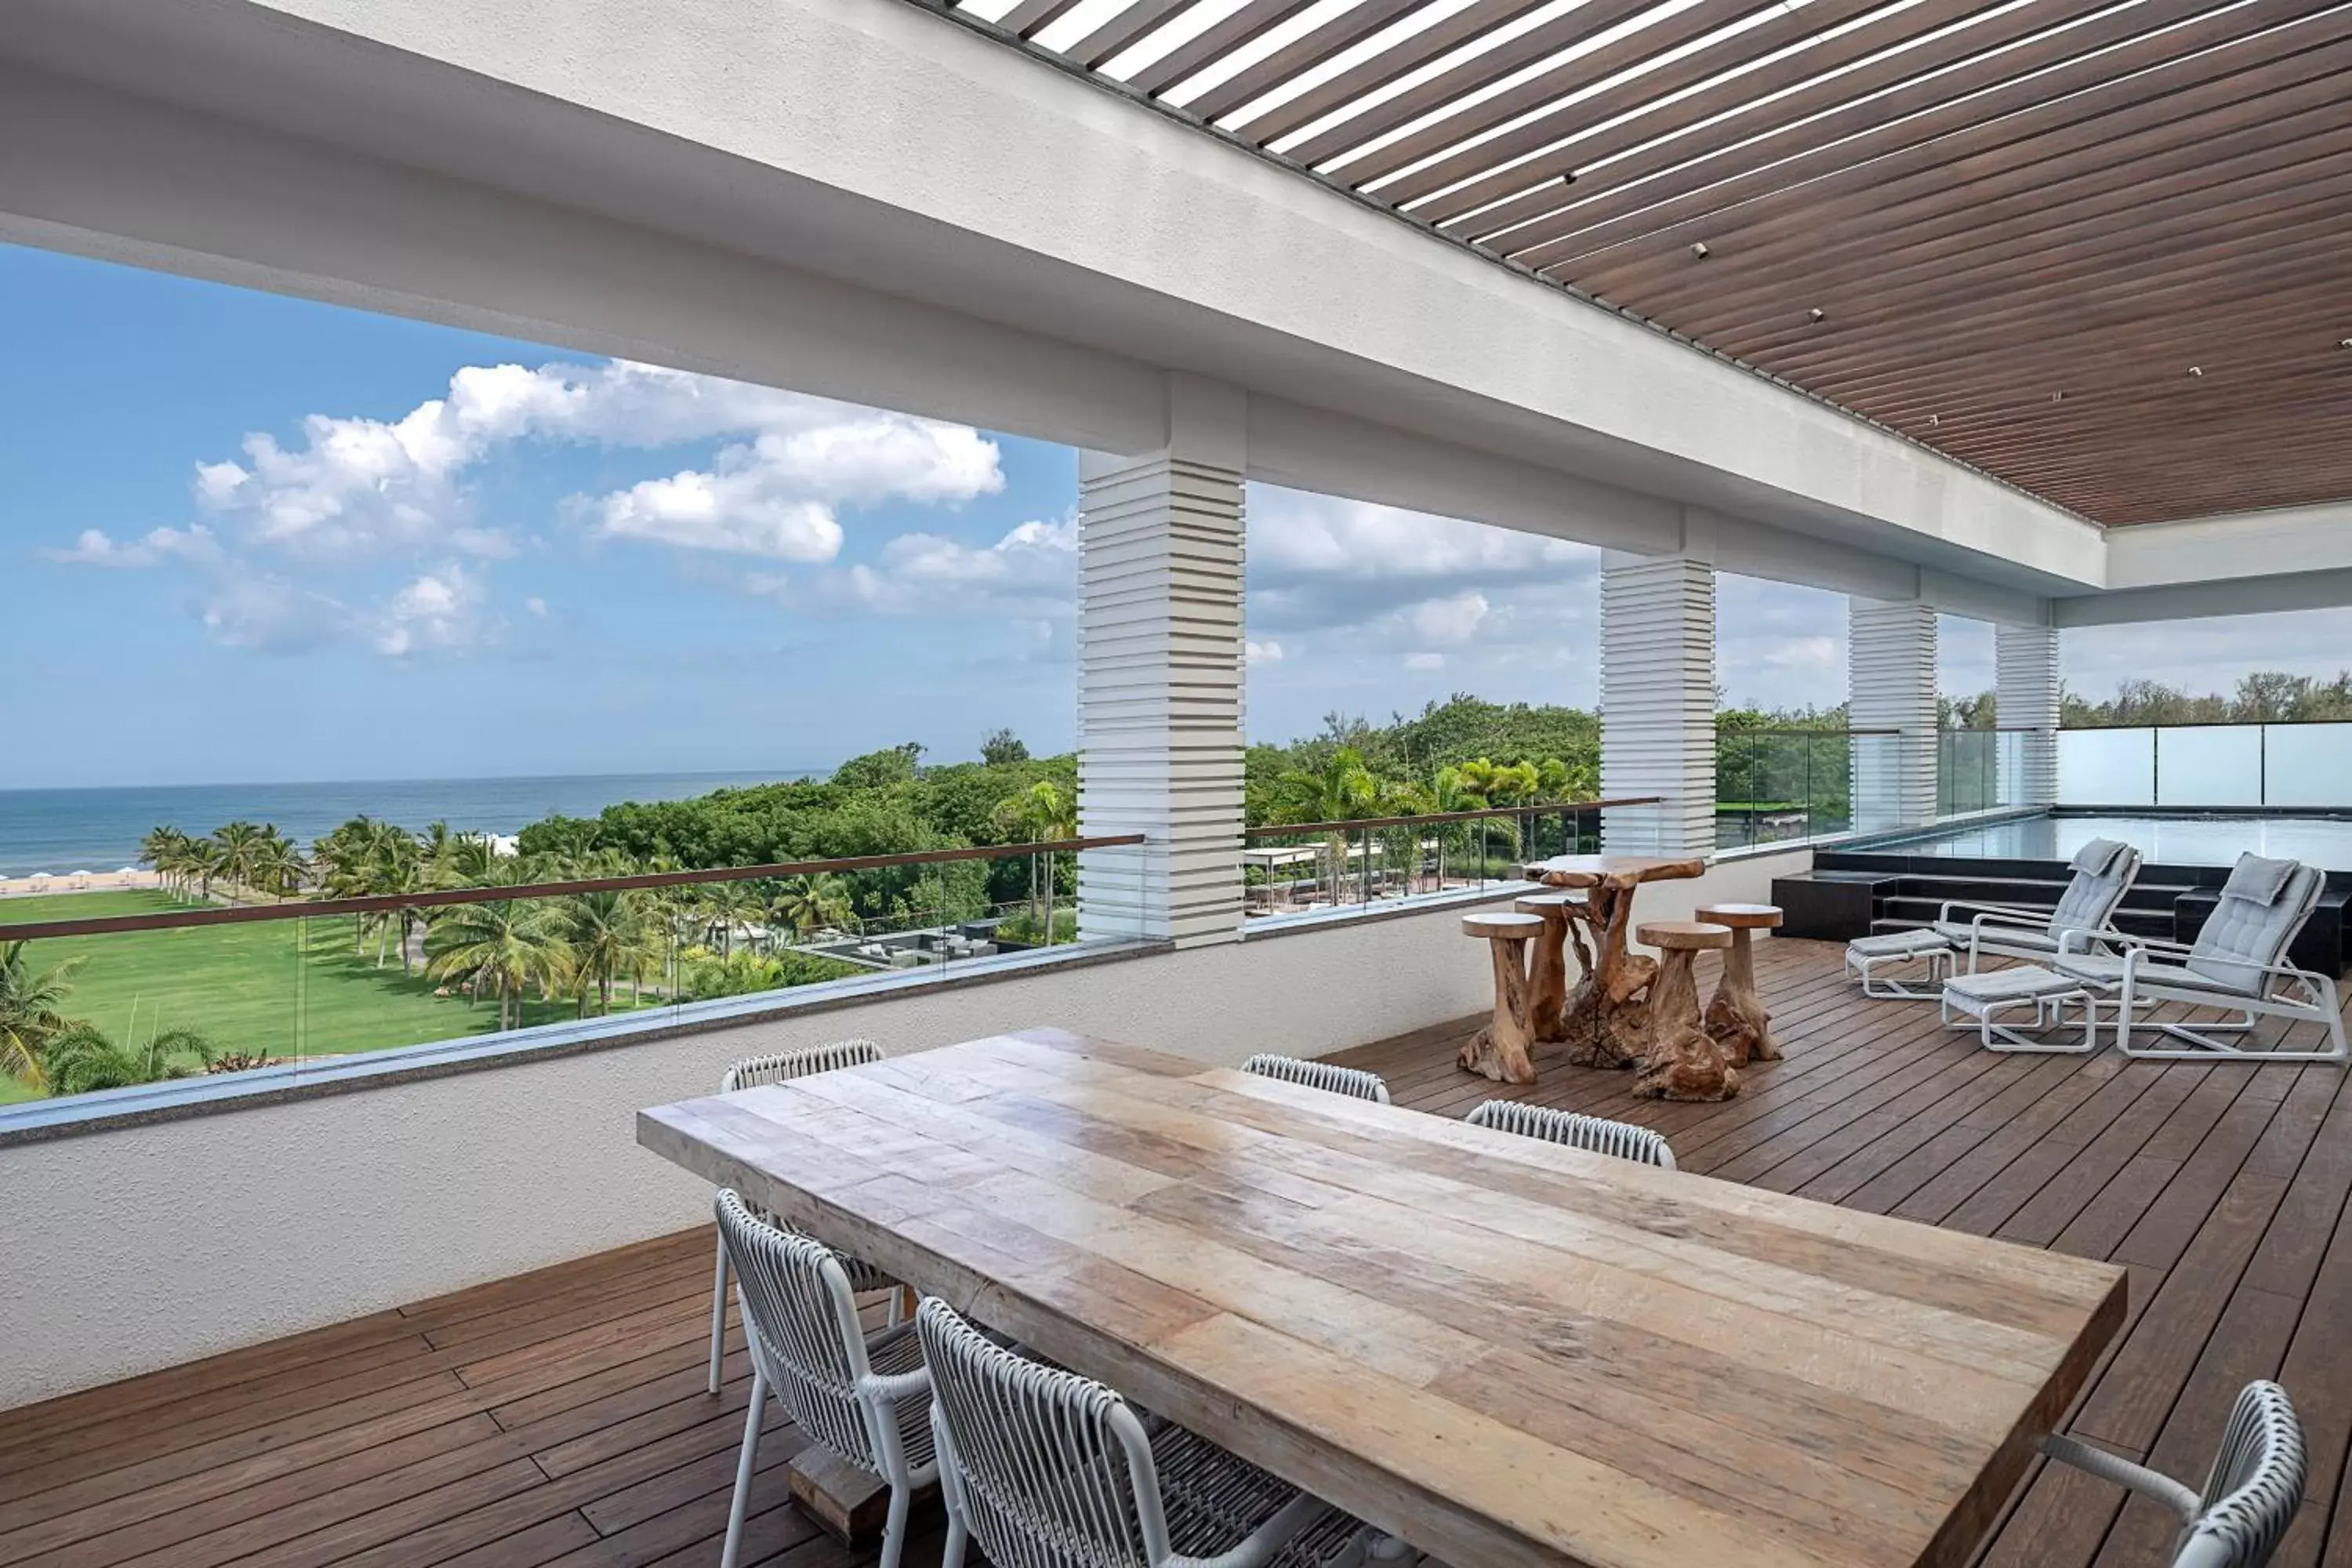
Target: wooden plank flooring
point(560, 1417)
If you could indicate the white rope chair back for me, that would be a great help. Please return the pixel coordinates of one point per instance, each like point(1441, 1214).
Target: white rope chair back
point(783, 1066)
point(1051, 1469)
point(800, 1323)
point(1319, 1075)
point(2255, 1488)
point(1596, 1135)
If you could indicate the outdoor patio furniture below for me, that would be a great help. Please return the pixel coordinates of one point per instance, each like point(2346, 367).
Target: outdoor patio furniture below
point(866, 1399)
point(1684, 1061)
point(1594, 1134)
point(1319, 1075)
point(2237, 964)
point(2250, 1496)
point(2102, 872)
point(1042, 1465)
point(778, 1068)
point(1986, 995)
point(1736, 1017)
point(1866, 956)
point(1500, 1050)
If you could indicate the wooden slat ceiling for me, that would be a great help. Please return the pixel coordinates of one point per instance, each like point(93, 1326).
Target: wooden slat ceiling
point(2100, 250)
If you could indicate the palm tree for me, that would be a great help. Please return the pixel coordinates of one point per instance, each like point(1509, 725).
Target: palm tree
point(1041, 814)
point(811, 903)
point(608, 935)
point(240, 844)
point(725, 905)
point(1341, 789)
point(278, 866)
point(508, 943)
point(29, 1015)
point(81, 1059)
point(167, 849)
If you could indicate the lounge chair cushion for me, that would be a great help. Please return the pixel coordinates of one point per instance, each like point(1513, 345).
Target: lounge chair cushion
point(1974, 992)
point(2242, 934)
point(2091, 897)
point(2258, 878)
point(1997, 933)
point(1898, 944)
point(2095, 857)
point(2107, 969)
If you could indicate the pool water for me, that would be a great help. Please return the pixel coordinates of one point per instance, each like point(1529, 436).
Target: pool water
point(2322, 841)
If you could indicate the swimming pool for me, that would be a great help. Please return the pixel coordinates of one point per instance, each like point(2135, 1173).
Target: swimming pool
point(2162, 840)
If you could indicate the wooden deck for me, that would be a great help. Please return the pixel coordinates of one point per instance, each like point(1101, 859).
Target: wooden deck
point(560, 1417)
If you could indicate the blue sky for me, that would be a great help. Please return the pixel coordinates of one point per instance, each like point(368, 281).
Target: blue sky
point(250, 537)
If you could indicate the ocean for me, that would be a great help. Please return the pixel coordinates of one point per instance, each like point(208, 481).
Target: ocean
point(66, 830)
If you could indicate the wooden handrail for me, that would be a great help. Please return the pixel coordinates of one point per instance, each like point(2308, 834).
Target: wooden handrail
point(1542, 809)
point(439, 897)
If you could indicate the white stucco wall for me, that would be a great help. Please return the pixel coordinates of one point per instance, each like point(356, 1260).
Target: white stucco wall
point(128, 1250)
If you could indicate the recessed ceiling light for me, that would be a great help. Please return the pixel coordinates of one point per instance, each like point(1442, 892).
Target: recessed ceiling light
point(2057, 397)
point(1816, 314)
point(2196, 370)
point(1700, 251)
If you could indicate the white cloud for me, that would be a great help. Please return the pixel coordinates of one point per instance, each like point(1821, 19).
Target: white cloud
point(270, 614)
point(440, 611)
point(535, 608)
point(356, 486)
point(1257, 653)
point(1032, 570)
point(1424, 661)
point(93, 547)
point(1451, 620)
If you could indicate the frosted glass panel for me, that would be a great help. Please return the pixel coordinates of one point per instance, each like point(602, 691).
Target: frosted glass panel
point(2219, 765)
point(2310, 764)
point(2106, 767)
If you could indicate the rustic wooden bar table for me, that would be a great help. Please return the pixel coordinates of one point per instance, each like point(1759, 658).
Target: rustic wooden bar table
point(1606, 1023)
point(1504, 1351)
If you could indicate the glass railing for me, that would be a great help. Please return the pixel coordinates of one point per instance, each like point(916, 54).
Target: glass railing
point(2207, 765)
point(1775, 786)
point(139, 986)
point(1318, 868)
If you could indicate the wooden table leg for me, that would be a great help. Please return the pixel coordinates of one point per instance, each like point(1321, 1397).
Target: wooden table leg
point(1548, 965)
point(1501, 1050)
point(1735, 1015)
point(1605, 1023)
point(1684, 1061)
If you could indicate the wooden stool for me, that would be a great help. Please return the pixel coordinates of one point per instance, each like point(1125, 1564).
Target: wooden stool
point(1499, 1050)
point(1684, 1062)
point(1547, 972)
point(1736, 1017)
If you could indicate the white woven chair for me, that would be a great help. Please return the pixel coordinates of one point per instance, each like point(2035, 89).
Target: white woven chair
point(750, 1073)
point(2237, 964)
point(1048, 1469)
point(2104, 870)
point(1597, 1134)
point(865, 1398)
point(1319, 1075)
point(2249, 1499)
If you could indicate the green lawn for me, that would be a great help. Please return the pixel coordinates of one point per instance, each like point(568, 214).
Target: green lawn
point(243, 987)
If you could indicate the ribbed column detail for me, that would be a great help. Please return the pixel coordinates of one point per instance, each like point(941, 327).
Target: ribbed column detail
point(2025, 666)
point(1159, 697)
point(1890, 661)
point(1657, 705)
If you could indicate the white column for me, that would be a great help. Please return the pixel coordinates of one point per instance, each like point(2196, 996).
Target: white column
point(1159, 676)
point(1658, 703)
point(1890, 661)
point(2026, 664)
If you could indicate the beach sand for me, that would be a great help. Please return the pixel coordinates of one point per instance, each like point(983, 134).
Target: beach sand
point(71, 882)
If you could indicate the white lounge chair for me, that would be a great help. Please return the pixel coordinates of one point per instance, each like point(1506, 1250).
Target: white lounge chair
point(1045, 1467)
point(2249, 1499)
point(865, 1398)
point(2104, 870)
point(2237, 964)
point(1319, 1075)
point(1596, 1135)
point(780, 1067)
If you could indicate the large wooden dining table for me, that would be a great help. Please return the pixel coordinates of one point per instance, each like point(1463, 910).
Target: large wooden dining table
point(1504, 1351)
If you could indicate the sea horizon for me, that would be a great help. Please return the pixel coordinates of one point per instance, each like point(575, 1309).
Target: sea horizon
point(98, 828)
